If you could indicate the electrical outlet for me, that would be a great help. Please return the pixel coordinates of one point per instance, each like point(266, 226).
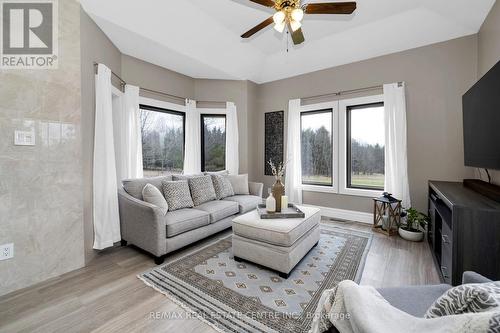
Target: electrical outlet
point(6, 251)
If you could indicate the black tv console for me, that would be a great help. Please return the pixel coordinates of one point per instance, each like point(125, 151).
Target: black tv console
point(464, 232)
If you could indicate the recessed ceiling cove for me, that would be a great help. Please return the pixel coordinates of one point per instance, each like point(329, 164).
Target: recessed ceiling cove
point(201, 38)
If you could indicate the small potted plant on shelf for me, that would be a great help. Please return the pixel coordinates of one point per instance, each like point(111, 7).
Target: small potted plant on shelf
point(412, 230)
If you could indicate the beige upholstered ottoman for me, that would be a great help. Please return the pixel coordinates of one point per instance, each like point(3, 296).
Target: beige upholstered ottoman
point(275, 243)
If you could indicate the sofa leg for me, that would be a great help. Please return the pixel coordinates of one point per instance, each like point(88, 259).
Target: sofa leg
point(283, 275)
point(159, 260)
point(237, 259)
point(123, 242)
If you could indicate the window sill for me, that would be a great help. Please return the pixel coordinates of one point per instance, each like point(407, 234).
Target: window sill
point(361, 192)
point(344, 191)
point(319, 188)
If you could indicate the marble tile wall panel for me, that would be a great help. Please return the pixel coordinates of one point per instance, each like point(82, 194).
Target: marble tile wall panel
point(41, 186)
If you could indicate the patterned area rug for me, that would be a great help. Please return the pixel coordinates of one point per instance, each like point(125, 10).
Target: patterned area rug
point(243, 297)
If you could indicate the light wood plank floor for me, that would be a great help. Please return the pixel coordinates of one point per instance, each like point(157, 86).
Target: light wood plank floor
point(106, 296)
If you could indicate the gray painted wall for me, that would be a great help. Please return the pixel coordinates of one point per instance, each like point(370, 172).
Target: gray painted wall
point(146, 75)
point(41, 208)
point(95, 47)
point(436, 77)
point(489, 53)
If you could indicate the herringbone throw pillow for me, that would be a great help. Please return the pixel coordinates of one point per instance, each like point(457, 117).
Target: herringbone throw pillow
point(202, 189)
point(177, 194)
point(222, 185)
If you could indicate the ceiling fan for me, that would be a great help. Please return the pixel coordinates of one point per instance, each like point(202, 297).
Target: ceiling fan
point(289, 13)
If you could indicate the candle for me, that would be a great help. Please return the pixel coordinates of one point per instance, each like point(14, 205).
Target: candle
point(284, 202)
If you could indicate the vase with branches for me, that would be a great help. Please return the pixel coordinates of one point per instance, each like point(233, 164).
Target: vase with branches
point(278, 189)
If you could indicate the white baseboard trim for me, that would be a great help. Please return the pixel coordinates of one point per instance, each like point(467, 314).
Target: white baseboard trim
point(343, 214)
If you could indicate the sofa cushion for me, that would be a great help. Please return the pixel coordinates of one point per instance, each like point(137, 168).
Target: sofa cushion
point(280, 232)
point(414, 300)
point(219, 209)
point(154, 196)
point(134, 186)
point(186, 177)
point(246, 202)
point(202, 189)
point(185, 219)
point(222, 186)
point(239, 183)
point(177, 194)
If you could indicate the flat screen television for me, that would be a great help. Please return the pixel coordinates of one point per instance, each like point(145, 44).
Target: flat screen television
point(481, 115)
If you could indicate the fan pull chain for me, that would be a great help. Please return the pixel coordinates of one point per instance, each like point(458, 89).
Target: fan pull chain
point(287, 40)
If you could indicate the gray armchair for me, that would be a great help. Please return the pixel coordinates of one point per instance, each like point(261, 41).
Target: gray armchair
point(415, 300)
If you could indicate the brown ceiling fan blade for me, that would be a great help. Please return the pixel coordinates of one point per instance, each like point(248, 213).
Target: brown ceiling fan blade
point(330, 8)
point(267, 3)
point(258, 27)
point(297, 36)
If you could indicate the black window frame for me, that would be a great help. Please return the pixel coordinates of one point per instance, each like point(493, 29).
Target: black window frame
point(332, 142)
point(349, 145)
point(173, 112)
point(202, 127)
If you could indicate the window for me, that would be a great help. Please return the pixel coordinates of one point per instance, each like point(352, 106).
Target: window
point(317, 147)
point(365, 146)
point(162, 133)
point(213, 142)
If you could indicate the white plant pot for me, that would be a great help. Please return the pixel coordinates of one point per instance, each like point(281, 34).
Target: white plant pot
point(412, 236)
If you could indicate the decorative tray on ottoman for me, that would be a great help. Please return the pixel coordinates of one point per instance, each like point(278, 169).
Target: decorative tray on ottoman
point(289, 212)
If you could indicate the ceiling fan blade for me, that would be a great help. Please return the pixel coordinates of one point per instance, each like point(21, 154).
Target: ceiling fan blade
point(330, 8)
point(297, 36)
point(267, 3)
point(258, 27)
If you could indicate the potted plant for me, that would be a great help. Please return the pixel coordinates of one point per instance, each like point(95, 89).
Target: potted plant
point(412, 230)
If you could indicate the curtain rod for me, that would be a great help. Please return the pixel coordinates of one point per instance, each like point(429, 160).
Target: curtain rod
point(123, 83)
point(351, 91)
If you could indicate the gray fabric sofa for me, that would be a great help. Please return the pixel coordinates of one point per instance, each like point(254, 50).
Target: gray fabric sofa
point(149, 228)
point(415, 300)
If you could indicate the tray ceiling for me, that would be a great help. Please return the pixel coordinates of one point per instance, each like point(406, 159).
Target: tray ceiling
point(201, 38)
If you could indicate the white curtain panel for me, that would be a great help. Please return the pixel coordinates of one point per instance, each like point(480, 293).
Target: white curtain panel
point(232, 155)
point(132, 141)
point(293, 179)
point(105, 197)
point(396, 160)
point(192, 151)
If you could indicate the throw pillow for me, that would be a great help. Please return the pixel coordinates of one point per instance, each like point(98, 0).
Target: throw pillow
point(177, 195)
point(152, 194)
point(222, 186)
point(239, 183)
point(467, 298)
point(202, 189)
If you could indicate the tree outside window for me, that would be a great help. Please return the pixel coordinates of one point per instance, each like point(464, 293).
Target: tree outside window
point(162, 133)
point(316, 147)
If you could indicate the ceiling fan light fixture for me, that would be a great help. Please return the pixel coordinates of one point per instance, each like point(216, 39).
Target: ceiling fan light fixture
point(279, 27)
point(297, 14)
point(295, 25)
point(279, 18)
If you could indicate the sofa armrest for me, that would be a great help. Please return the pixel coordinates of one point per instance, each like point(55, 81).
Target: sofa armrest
point(255, 188)
point(473, 277)
point(142, 224)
